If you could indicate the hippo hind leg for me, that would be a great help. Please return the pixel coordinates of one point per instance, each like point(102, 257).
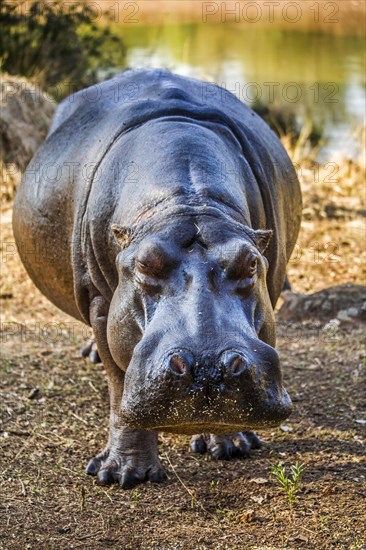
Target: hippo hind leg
point(225, 447)
point(286, 285)
point(90, 351)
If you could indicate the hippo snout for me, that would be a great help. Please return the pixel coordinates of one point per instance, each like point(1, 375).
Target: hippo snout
point(231, 390)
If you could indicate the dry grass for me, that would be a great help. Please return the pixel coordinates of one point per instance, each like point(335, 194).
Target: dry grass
point(331, 247)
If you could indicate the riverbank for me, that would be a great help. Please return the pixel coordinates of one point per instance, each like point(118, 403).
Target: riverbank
point(337, 17)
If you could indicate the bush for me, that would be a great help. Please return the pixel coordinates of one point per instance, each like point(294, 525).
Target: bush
point(56, 45)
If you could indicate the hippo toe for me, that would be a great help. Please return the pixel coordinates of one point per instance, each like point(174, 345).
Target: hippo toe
point(225, 447)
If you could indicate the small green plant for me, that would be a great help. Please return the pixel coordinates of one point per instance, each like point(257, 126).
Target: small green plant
point(289, 484)
point(225, 513)
point(35, 491)
point(7, 366)
point(214, 485)
point(135, 497)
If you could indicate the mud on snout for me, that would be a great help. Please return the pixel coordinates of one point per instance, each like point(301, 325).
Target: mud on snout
point(181, 391)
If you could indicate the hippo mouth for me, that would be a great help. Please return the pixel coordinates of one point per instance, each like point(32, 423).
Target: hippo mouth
point(220, 417)
point(212, 428)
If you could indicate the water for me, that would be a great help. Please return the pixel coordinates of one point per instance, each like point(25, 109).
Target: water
point(319, 77)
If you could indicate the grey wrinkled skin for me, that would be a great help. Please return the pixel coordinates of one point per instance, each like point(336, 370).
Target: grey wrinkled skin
point(162, 212)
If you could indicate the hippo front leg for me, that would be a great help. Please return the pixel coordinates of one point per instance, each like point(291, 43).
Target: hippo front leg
point(130, 456)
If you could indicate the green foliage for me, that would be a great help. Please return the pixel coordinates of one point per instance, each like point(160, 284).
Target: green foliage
point(214, 485)
point(135, 497)
point(59, 45)
point(288, 484)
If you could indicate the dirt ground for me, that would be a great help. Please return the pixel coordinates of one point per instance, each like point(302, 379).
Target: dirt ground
point(54, 411)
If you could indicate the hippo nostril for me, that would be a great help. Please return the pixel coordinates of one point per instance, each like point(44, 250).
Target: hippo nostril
point(180, 363)
point(237, 365)
point(233, 363)
point(177, 364)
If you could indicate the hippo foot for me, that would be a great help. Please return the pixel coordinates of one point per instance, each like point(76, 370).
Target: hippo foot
point(128, 468)
point(90, 350)
point(225, 447)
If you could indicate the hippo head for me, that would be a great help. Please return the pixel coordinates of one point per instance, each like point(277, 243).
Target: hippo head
point(191, 323)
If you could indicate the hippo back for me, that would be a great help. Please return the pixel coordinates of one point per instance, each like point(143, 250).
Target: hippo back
point(51, 224)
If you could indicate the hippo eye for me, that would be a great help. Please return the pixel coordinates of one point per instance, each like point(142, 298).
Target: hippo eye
point(154, 261)
point(144, 268)
point(245, 267)
point(151, 264)
point(252, 266)
point(146, 278)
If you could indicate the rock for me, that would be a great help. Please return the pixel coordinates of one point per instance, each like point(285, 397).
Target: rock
point(343, 315)
point(353, 312)
point(342, 303)
point(327, 306)
point(259, 480)
point(332, 326)
point(25, 116)
point(286, 428)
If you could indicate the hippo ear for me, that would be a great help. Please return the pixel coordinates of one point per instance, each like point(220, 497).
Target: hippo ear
point(261, 238)
point(123, 235)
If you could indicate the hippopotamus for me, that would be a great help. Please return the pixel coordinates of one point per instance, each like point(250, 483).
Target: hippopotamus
point(161, 212)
